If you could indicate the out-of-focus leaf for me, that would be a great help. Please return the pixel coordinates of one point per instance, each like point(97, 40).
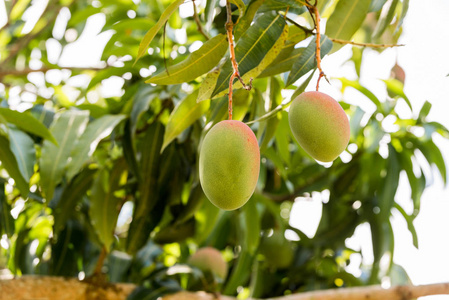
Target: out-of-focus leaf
point(251, 49)
point(386, 195)
point(376, 5)
point(346, 19)
point(6, 219)
point(149, 166)
point(405, 5)
point(128, 150)
point(107, 73)
point(354, 122)
point(23, 148)
point(356, 85)
point(282, 139)
point(249, 227)
point(282, 5)
point(27, 122)
point(196, 199)
point(196, 64)
point(141, 102)
point(175, 233)
point(241, 7)
point(104, 203)
point(66, 128)
point(307, 61)
point(425, 109)
point(185, 114)
point(410, 226)
point(209, 13)
point(9, 162)
point(386, 16)
point(154, 30)
point(433, 156)
point(88, 141)
point(70, 196)
point(240, 273)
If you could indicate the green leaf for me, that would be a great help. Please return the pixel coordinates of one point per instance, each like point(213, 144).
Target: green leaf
point(66, 128)
point(307, 61)
point(27, 122)
point(107, 73)
point(251, 49)
point(149, 167)
point(396, 88)
point(388, 191)
point(346, 19)
point(6, 220)
point(409, 220)
point(103, 208)
point(246, 21)
point(209, 13)
point(282, 5)
point(283, 63)
point(88, 142)
point(128, 150)
point(208, 85)
point(433, 156)
point(386, 16)
point(424, 112)
point(23, 148)
point(249, 227)
point(154, 30)
point(9, 162)
point(241, 7)
point(185, 114)
point(405, 5)
point(141, 102)
point(356, 85)
point(195, 65)
point(282, 139)
point(376, 5)
point(73, 192)
point(240, 273)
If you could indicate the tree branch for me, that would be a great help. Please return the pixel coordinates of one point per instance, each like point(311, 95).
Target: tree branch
point(197, 21)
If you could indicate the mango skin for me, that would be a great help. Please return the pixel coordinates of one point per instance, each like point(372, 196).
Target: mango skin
point(209, 259)
point(229, 164)
point(320, 125)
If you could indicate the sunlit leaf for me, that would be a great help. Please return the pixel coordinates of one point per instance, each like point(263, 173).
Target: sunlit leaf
point(196, 64)
point(27, 122)
point(185, 114)
point(88, 141)
point(307, 61)
point(386, 16)
point(154, 30)
point(9, 162)
point(66, 128)
point(23, 148)
point(346, 19)
point(396, 88)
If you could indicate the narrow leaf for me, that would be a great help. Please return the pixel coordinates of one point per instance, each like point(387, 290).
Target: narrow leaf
point(396, 88)
point(70, 196)
point(141, 102)
point(249, 227)
point(388, 191)
point(386, 16)
point(405, 5)
point(196, 64)
point(208, 85)
point(66, 128)
point(9, 162)
point(410, 225)
point(6, 220)
point(253, 46)
point(23, 148)
point(376, 5)
point(356, 85)
point(154, 30)
point(104, 208)
point(94, 133)
point(346, 19)
point(307, 61)
point(27, 122)
point(185, 114)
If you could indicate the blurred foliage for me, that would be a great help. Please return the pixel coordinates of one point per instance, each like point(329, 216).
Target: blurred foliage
point(85, 171)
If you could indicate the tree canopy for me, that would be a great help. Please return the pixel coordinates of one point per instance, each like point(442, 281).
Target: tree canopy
point(93, 183)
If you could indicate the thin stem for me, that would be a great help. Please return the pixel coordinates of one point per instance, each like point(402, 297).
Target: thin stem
point(197, 21)
point(344, 42)
point(100, 261)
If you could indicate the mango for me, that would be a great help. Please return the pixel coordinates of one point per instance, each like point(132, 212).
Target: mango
point(229, 164)
point(209, 259)
point(320, 125)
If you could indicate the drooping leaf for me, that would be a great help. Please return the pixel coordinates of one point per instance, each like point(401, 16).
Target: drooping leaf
point(376, 5)
point(241, 7)
point(249, 227)
point(64, 206)
point(307, 61)
point(149, 166)
point(128, 150)
point(141, 102)
point(6, 220)
point(410, 225)
point(208, 85)
point(405, 5)
point(27, 122)
point(356, 85)
point(9, 162)
point(185, 114)
point(251, 49)
point(88, 141)
point(248, 18)
point(154, 30)
point(425, 109)
point(386, 16)
point(396, 88)
point(386, 196)
point(433, 156)
point(346, 19)
point(104, 203)
point(195, 65)
point(66, 128)
point(23, 148)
